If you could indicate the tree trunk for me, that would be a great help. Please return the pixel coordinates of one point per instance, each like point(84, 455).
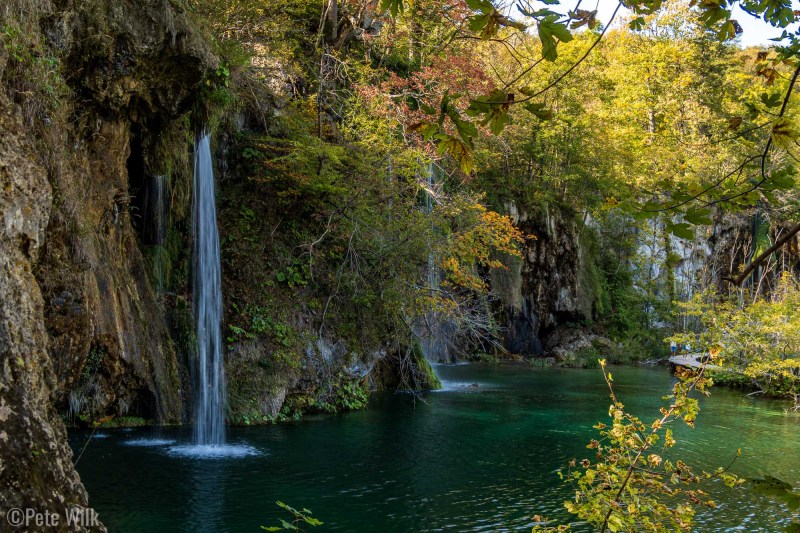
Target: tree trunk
point(333, 19)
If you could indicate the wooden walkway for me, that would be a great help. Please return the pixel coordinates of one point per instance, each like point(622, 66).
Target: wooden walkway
point(693, 360)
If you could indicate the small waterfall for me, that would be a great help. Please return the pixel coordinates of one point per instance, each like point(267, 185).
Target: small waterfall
point(156, 210)
point(434, 331)
point(209, 393)
point(430, 180)
point(155, 224)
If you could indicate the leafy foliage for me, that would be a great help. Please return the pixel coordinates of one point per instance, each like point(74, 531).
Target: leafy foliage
point(631, 483)
point(555, 28)
point(479, 235)
point(301, 519)
point(758, 338)
point(32, 74)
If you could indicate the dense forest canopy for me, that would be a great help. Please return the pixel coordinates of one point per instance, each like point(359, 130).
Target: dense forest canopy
point(660, 119)
point(668, 100)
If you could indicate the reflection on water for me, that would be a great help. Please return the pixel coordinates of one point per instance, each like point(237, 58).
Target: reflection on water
point(148, 442)
point(466, 459)
point(207, 502)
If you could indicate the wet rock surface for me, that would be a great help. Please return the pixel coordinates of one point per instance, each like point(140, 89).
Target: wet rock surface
point(36, 468)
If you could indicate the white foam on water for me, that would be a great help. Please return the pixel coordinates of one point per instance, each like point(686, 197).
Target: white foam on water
point(149, 442)
point(460, 386)
point(100, 436)
point(211, 451)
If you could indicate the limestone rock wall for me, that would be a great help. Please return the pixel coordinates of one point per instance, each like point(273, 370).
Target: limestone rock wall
point(140, 66)
point(35, 461)
point(550, 285)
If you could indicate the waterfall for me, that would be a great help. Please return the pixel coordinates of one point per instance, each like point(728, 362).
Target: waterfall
point(208, 372)
point(209, 393)
point(434, 331)
point(430, 180)
point(155, 224)
point(156, 209)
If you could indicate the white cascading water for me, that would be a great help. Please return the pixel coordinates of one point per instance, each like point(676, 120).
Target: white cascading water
point(209, 394)
point(430, 179)
point(432, 343)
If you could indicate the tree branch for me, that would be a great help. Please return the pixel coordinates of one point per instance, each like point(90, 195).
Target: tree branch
point(764, 255)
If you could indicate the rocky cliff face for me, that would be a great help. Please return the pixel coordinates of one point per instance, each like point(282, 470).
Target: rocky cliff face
point(94, 103)
point(35, 463)
point(140, 66)
point(549, 287)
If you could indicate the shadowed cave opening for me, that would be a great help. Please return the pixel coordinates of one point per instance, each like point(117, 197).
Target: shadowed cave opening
point(148, 192)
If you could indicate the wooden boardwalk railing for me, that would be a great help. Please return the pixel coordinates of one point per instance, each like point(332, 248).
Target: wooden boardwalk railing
point(693, 360)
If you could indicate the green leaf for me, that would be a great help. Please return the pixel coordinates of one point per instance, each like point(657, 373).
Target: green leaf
point(729, 30)
point(428, 110)
point(466, 130)
point(784, 133)
point(480, 5)
point(457, 149)
point(637, 24)
point(549, 31)
point(495, 108)
point(446, 108)
point(699, 216)
point(771, 100)
point(511, 23)
point(783, 179)
point(498, 121)
point(752, 111)
point(489, 21)
point(711, 15)
point(394, 7)
point(681, 230)
point(544, 13)
point(479, 22)
point(429, 131)
point(540, 111)
point(426, 129)
point(524, 11)
point(651, 205)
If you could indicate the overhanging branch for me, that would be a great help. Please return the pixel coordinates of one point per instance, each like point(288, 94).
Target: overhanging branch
point(763, 256)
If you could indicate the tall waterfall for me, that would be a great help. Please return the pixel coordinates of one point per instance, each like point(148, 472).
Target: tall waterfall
point(209, 393)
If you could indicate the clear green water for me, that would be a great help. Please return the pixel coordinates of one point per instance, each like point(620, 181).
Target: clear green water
point(463, 460)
